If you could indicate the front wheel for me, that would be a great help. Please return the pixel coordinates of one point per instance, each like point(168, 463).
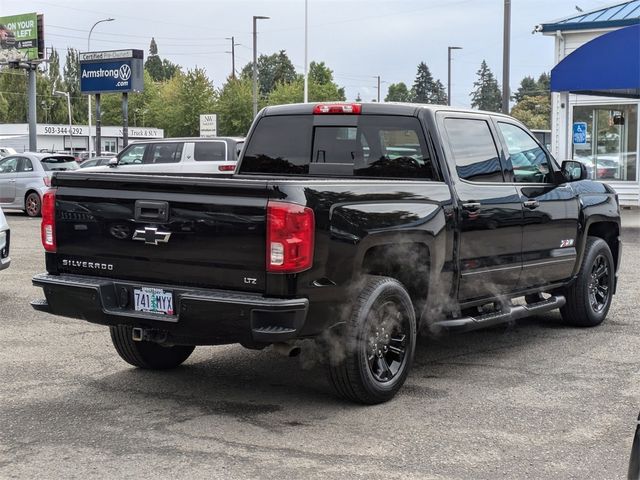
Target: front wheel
point(377, 345)
point(148, 355)
point(589, 297)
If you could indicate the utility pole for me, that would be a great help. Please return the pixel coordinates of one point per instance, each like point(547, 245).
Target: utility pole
point(33, 138)
point(506, 52)
point(255, 63)
point(233, 55)
point(378, 77)
point(449, 73)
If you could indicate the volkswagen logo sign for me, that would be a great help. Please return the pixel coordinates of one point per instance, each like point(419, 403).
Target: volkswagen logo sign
point(124, 72)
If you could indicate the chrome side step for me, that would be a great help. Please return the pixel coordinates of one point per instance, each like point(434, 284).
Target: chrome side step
point(510, 312)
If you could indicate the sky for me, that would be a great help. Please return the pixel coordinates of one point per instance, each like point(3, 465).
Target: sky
point(357, 39)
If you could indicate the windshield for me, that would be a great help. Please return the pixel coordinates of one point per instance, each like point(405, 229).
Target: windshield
point(58, 163)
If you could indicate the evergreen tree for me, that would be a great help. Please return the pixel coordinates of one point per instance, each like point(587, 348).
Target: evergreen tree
point(159, 69)
point(486, 95)
point(398, 92)
point(71, 72)
point(438, 96)
point(422, 89)
point(358, 98)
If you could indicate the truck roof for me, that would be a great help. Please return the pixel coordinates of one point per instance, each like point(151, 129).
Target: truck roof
point(371, 108)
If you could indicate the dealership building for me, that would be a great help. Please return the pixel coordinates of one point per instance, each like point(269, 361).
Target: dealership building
point(56, 137)
point(595, 88)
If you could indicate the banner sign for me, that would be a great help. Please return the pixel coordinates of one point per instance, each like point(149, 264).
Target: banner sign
point(209, 125)
point(113, 71)
point(20, 37)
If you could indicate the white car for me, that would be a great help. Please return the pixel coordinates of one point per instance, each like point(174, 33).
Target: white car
point(6, 151)
point(177, 155)
point(4, 242)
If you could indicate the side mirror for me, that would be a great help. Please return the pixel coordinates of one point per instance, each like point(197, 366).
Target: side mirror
point(574, 170)
point(113, 162)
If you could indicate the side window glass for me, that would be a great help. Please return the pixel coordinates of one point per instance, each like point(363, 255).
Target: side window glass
point(25, 165)
point(529, 160)
point(209, 151)
point(9, 165)
point(132, 155)
point(474, 150)
point(165, 153)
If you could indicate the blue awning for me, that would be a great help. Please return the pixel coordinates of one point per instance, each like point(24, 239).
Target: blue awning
point(608, 65)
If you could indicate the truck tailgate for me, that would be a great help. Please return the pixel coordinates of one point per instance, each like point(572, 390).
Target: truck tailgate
point(198, 231)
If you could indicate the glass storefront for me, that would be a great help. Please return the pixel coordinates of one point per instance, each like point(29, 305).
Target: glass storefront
point(609, 146)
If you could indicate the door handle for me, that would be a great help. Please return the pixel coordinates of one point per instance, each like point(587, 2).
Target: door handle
point(531, 204)
point(472, 206)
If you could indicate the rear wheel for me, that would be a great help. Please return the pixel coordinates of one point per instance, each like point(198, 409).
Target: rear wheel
point(589, 297)
point(147, 355)
point(33, 204)
point(378, 344)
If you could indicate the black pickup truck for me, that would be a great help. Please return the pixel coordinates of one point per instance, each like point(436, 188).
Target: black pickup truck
point(357, 225)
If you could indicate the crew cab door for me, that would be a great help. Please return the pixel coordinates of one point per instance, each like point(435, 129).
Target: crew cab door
point(550, 221)
point(490, 211)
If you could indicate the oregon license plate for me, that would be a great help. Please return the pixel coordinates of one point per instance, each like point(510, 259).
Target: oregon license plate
point(153, 300)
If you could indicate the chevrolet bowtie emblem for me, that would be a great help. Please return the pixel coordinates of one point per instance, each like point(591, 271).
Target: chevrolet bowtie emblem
point(151, 236)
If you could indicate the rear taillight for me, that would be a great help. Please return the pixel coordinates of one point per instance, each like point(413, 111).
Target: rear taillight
point(290, 234)
point(48, 228)
point(226, 168)
point(337, 109)
point(47, 181)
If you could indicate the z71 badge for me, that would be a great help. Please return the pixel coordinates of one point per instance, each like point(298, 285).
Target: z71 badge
point(566, 243)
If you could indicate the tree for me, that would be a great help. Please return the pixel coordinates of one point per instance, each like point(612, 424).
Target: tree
point(398, 92)
point(422, 89)
point(72, 86)
point(159, 69)
point(234, 107)
point(438, 95)
point(486, 95)
point(534, 111)
point(272, 70)
point(528, 86)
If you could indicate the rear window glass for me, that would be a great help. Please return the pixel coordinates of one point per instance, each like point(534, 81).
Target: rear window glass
point(209, 151)
point(52, 164)
point(474, 150)
point(378, 146)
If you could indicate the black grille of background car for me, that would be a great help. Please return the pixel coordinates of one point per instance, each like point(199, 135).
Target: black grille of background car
point(4, 253)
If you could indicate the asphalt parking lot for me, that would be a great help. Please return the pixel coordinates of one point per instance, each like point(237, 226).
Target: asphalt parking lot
point(535, 400)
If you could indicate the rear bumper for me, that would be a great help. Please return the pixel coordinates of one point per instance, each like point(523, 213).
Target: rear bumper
point(203, 317)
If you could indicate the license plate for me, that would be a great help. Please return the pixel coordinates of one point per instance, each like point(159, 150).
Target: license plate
point(153, 300)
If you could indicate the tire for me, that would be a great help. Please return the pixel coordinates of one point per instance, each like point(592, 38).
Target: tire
point(147, 355)
point(33, 204)
point(589, 297)
point(370, 364)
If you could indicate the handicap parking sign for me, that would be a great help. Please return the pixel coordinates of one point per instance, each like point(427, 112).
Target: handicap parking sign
point(579, 133)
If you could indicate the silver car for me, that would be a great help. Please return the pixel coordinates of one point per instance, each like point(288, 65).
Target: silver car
point(4, 242)
point(25, 177)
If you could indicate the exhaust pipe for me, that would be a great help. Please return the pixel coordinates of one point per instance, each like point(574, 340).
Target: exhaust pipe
point(287, 349)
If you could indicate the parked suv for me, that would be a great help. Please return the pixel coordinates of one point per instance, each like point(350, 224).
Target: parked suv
point(177, 155)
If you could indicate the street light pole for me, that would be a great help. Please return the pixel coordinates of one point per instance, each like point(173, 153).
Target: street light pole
point(306, 49)
point(58, 93)
point(91, 148)
point(233, 55)
point(255, 63)
point(506, 53)
point(449, 73)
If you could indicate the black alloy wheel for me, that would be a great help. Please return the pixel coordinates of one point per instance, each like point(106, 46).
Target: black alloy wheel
point(387, 340)
point(589, 296)
point(599, 285)
point(373, 356)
